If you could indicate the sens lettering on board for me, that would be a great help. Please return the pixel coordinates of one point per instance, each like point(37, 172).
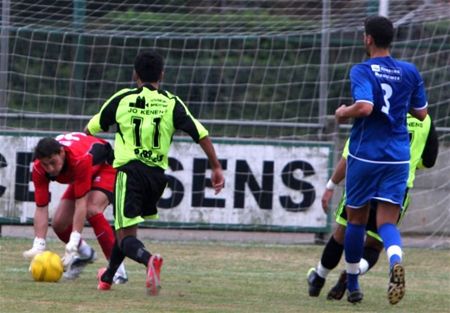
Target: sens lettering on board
point(244, 180)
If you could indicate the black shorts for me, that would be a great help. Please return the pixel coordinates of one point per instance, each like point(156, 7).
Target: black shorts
point(137, 190)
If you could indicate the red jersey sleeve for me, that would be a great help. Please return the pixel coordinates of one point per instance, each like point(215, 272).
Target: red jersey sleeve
point(83, 172)
point(41, 182)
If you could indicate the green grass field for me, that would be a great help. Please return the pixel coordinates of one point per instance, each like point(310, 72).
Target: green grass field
point(219, 277)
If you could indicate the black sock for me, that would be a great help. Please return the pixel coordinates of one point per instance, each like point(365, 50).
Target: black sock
point(371, 256)
point(332, 254)
point(134, 249)
point(117, 257)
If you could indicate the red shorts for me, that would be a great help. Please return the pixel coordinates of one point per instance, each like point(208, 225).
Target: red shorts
point(103, 181)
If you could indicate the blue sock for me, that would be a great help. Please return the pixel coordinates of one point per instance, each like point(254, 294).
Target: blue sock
point(354, 247)
point(392, 242)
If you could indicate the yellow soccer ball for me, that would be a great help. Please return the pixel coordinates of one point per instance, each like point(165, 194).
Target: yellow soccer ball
point(46, 266)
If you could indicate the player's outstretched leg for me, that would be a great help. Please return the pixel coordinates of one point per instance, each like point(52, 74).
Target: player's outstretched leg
point(315, 282)
point(153, 281)
point(338, 290)
point(396, 288)
point(101, 284)
point(120, 277)
point(392, 243)
point(106, 275)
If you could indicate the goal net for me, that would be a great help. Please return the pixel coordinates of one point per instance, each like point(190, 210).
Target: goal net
point(265, 77)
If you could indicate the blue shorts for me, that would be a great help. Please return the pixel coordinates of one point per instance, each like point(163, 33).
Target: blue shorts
point(384, 182)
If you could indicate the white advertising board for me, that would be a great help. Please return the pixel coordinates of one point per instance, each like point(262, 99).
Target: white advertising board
point(267, 185)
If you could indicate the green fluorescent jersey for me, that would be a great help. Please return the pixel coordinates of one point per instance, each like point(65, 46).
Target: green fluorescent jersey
point(146, 120)
point(418, 134)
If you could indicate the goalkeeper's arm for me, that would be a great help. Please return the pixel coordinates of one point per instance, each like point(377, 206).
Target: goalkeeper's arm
point(431, 149)
point(40, 224)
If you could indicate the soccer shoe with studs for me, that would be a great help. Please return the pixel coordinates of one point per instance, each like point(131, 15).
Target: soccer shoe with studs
point(315, 282)
point(101, 285)
point(396, 288)
point(153, 281)
point(74, 264)
point(355, 296)
point(338, 290)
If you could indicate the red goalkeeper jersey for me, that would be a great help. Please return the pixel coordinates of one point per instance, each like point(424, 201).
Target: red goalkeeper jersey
point(85, 157)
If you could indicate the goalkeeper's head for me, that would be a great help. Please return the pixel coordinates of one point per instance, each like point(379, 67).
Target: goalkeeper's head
point(380, 29)
point(51, 155)
point(148, 67)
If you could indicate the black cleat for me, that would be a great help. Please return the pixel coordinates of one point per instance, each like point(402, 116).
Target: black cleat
point(355, 296)
point(396, 287)
point(315, 282)
point(338, 290)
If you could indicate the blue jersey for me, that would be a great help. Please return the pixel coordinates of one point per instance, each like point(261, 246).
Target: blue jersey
point(393, 87)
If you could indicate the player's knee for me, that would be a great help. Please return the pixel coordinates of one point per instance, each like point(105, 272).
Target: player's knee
point(373, 243)
point(96, 205)
point(94, 210)
point(58, 226)
point(339, 234)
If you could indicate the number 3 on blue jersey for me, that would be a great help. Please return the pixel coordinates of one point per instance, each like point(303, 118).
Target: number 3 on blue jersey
point(387, 94)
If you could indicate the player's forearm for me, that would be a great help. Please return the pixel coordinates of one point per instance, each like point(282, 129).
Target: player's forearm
point(87, 132)
point(431, 149)
point(79, 215)
point(420, 114)
point(210, 152)
point(337, 176)
point(40, 222)
point(339, 171)
point(217, 179)
point(93, 126)
point(358, 109)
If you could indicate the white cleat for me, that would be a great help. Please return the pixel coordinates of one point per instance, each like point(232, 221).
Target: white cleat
point(121, 276)
point(31, 253)
point(75, 263)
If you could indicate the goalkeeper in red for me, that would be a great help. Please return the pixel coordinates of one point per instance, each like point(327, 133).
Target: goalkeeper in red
point(81, 162)
point(146, 118)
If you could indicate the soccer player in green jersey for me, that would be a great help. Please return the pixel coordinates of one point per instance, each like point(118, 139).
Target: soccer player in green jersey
point(424, 150)
point(146, 118)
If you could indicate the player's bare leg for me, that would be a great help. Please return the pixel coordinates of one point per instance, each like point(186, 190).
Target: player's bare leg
point(97, 203)
point(62, 226)
point(330, 258)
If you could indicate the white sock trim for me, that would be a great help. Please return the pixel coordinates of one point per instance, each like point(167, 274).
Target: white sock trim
point(322, 271)
point(363, 266)
point(39, 243)
point(352, 268)
point(394, 250)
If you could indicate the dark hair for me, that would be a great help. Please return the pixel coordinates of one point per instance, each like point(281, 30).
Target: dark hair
point(381, 30)
point(149, 66)
point(47, 147)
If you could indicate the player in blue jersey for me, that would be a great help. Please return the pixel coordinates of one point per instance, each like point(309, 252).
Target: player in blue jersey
point(424, 147)
point(384, 90)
